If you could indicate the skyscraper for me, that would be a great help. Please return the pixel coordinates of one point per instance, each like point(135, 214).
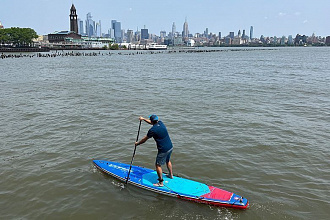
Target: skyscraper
point(185, 31)
point(80, 27)
point(251, 32)
point(116, 26)
point(90, 25)
point(173, 30)
point(290, 40)
point(206, 32)
point(231, 35)
point(163, 34)
point(98, 32)
point(129, 36)
point(73, 19)
point(144, 34)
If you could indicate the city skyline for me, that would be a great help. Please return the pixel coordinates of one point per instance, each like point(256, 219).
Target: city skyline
point(269, 19)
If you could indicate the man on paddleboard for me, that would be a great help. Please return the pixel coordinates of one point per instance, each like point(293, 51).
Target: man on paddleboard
point(164, 145)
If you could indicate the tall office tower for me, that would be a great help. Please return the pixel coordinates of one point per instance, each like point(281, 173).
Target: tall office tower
point(239, 33)
point(219, 35)
point(90, 25)
point(137, 35)
point(98, 31)
point(206, 32)
point(173, 30)
point(251, 32)
point(73, 19)
point(111, 33)
point(163, 34)
point(231, 35)
point(129, 36)
point(185, 31)
point(290, 40)
point(144, 34)
point(116, 26)
point(243, 35)
point(123, 33)
point(80, 27)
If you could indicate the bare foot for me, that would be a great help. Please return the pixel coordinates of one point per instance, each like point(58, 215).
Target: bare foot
point(169, 176)
point(158, 184)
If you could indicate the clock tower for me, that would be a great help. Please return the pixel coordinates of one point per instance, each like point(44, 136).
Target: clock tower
point(73, 19)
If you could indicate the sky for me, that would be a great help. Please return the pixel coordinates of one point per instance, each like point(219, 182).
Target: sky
point(269, 18)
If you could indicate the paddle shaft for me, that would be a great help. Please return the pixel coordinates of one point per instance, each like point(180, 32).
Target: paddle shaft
point(130, 167)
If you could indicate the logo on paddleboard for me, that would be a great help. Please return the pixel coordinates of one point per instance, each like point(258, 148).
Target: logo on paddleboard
point(119, 168)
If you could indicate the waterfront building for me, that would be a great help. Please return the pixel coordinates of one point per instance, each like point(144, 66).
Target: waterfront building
point(262, 39)
point(251, 32)
point(190, 43)
point(73, 19)
point(300, 39)
point(62, 36)
point(144, 34)
point(185, 31)
point(178, 41)
point(327, 40)
point(228, 40)
point(90, 25)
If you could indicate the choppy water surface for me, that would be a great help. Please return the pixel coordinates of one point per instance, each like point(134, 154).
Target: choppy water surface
point(255, 122)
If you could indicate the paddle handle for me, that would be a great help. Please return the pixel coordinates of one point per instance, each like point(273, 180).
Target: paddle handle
point(130, 166)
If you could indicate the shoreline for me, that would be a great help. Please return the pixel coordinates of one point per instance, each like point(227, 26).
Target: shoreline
point(79, 53)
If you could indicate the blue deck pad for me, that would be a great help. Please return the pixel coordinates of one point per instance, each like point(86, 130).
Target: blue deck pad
point(177, 184)
point(148, 177)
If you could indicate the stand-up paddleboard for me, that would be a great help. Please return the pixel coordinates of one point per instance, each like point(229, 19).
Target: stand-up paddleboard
point(177, 187)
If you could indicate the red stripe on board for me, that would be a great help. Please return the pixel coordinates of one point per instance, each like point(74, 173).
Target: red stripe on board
point(216, 193)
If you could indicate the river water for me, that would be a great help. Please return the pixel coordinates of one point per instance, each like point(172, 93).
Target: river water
point(251, 121)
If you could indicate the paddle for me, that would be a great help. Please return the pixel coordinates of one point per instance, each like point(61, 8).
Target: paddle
point(130, 167)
